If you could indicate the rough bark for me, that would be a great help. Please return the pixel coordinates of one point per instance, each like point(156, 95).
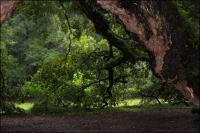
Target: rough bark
point(7, 7)
point(145, 22)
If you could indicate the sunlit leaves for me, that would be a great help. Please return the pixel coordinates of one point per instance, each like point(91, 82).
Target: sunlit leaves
point(78, 79)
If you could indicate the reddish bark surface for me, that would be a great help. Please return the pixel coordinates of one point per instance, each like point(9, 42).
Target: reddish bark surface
point(7, 7)
point(150, 29)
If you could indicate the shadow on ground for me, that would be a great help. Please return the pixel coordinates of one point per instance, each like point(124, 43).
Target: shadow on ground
point(156, 120)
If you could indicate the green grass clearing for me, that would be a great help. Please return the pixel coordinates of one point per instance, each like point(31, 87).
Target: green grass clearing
point(27, 106)
point(129, 102)
point(129, 105)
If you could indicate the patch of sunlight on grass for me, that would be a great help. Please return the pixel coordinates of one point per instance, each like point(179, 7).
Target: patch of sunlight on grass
point(26, 106)
point(136, 105)
point(130, 102)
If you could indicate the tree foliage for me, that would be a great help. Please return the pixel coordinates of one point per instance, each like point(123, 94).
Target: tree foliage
point(52, 54)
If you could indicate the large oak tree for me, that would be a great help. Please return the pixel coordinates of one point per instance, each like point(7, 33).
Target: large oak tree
point(155, 26)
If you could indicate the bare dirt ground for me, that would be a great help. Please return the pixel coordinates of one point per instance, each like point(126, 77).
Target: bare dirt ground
point(157, 120)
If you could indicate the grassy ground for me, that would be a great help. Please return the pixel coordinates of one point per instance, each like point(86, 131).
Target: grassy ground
point(129, 105)
point(129, 102)
point(27, 106)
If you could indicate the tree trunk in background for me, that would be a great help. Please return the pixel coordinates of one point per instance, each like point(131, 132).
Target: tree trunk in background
point(154, 25)
point(7, 7)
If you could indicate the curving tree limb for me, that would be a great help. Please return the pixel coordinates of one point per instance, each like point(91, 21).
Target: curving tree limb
point(156, 31)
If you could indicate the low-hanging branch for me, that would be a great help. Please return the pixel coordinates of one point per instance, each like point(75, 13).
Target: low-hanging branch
point(93, 82)
point(119, 79)
point(156, 97)
point(102, 27)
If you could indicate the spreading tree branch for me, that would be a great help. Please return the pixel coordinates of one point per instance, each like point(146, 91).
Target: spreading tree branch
point(102, 27)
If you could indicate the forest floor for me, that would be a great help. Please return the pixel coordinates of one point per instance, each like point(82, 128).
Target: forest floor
point(156, 120)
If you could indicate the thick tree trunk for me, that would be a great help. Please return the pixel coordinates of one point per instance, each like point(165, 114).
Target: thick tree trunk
point(7, 7)
point(152, 28)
